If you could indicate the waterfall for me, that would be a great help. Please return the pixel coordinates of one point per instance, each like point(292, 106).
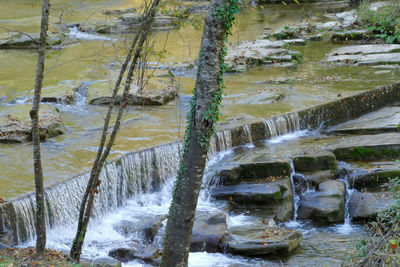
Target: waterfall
point(247, 134)
point(347, 227)
point(283, 124)
point(135, 173)
point(296, 197)
point(221, 141)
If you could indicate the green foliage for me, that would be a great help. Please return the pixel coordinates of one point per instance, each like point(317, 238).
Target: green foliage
point(382, 23)
point(382, 249)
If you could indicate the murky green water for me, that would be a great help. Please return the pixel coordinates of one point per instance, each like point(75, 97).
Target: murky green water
point(90, 61)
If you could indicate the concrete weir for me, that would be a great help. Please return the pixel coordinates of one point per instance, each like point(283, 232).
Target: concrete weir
point(146, 170)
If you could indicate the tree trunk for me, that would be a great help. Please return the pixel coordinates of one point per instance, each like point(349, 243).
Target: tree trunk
point(201, 119)
point(94, 182)
point(34, 114)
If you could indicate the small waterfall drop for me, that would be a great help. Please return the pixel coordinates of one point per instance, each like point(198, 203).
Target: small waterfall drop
point(247, 135)
point(283, 124)
point(347, 227)
point(134, 174)
point(296, 198)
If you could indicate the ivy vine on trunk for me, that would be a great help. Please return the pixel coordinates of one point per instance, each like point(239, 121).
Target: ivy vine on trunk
point(203, 114)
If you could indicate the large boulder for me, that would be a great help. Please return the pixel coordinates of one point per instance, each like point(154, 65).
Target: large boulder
point(365, 206)
point(18, 130)
point(28, 41)
point(209, 232)
point(262, 240)
point(326, 205)
point(147, 227)
point(315, 161)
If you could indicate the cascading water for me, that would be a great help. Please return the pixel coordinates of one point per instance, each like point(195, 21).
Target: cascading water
point(296, 198)
point(280, 125)
point(247, 132)
point(347, 227)
point(134, 174)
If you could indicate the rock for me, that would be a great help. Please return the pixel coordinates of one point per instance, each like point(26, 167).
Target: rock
point(372, 178)
point(67, 99)
point(28, 41)
point(133, 20)
point(315, 37)
point(6, 240)
point(366, 55)
point(147, 227)
point(309, 180)
point(351, 35)
point(209, 232)
point(106, 261)
point(372, 152)
point(119, 11)
point(253, 172)
point(365, 206)
point(272, 199)
point(148, 254)
point(326, 205)
point(16, 130)
point(262, 240)
point(314, 161)
point(153, 98)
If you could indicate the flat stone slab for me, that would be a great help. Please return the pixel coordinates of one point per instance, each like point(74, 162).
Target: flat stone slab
point(372, 178)
point(259, 240)
point(359, 55)
point(367, 147)
point(384, 120)
point(365, 206)
point(253, 172)
point(262, 193)
point(315, 161)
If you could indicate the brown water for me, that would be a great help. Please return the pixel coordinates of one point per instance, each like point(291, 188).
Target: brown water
point(91, 61)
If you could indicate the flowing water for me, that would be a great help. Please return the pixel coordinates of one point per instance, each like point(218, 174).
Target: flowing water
point(93, 60)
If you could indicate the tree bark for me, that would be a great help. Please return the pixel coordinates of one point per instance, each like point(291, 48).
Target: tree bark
point(200, 128)
point(34, 114)
point(102, 154)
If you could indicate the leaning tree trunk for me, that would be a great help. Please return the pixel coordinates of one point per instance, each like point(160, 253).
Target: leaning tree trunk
point(34, 114)
point(102, 153)
point(201, 119)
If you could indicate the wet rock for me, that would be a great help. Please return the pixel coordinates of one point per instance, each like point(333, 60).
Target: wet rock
point(351, 35)
point(372, 178)
point(106, 261)
point(67, 99)
point(366, 55)
point(6, 240)
point(326, 205)
point(148, 254)
point(253, 172)
point(153, 98)
point(16, 130)
point(209, 232)
point(371, 152)
point(314, 161)
point(310, 180)
point(147, 227)
point(365, 206)
point(262, 240)
point(315, 37)
point(272, 199)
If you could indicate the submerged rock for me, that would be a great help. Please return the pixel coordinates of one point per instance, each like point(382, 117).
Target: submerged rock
point(365, 206)
point(326, 205)
point(16, 130)
point(262, 240)
point(209, 232)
